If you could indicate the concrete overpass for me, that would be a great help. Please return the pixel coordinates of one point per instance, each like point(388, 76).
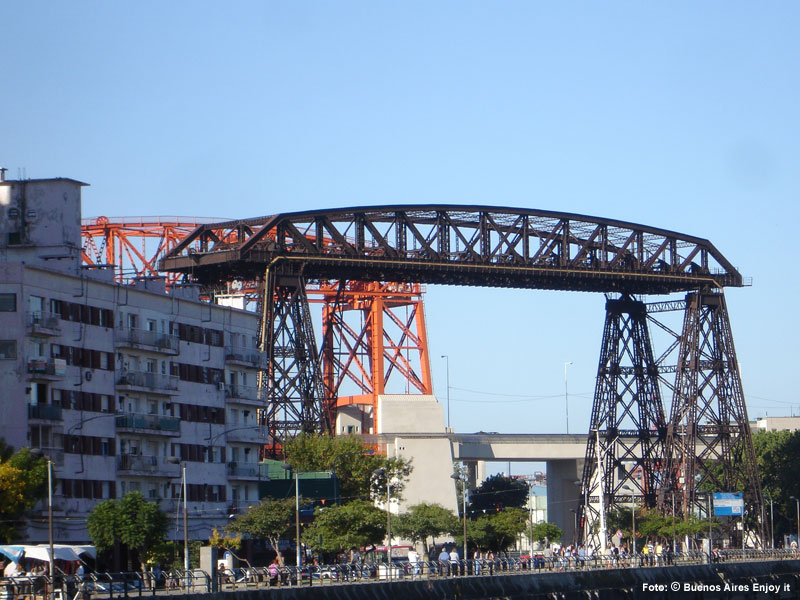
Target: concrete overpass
point(563, 455)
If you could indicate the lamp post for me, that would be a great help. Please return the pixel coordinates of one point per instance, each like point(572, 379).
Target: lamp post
point(176, 461)
point(574, 512)
point(797, 501)
point(38, 453)
point(464, 509)
point(378, 473)
point(566, 393)
point(674, 546)
point(447, 362)
point(633, 534)
point(710, 519)
point(771, 525)
point(288, 467)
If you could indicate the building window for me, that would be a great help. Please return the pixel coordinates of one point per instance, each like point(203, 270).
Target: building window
point(8, 349)
point(8, 303)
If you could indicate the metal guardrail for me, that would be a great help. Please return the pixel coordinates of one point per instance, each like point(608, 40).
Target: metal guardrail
point(148, 584)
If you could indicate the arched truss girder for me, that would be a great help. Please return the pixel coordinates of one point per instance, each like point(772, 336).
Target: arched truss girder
point(462, 245)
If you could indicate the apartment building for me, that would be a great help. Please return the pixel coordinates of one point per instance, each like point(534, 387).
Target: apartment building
point(119, 385)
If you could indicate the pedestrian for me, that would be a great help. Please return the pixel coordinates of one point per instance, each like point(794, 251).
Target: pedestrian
point(454, 561)
point(413, 561)
point(476, 561)
point(273, 572)
point(490, 561)
point(444, 561)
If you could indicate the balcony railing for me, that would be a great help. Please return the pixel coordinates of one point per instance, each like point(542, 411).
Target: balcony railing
point(152, 339)
point(151, 422)
point(153, 381)
point(252, 434)
point(237, 469)
point(48, 412)
point(244, 392)
point(42, 366)
point(246, 356)
point(54, 454)
point(146, 464)
point(44, 323)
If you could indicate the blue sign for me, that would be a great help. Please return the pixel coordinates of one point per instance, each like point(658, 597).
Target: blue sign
point(728, 505)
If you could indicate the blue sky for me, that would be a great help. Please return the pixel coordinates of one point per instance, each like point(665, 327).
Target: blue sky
point(681, 115)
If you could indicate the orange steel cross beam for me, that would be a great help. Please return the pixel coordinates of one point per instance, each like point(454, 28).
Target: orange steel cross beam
point(374, 332)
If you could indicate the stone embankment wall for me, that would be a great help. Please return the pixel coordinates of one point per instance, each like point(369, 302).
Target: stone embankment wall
point(773, 579)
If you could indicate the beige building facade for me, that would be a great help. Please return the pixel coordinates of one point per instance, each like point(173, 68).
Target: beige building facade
point(118, 383)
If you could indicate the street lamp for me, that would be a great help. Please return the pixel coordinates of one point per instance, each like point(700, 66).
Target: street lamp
point(464, 509)
point(38, 453)
point(798, 517)
point(771, 525)
point(574, 512)
point(288, 467)
point(177, 461)
point(380, 473)
point(447, 362)
point(566, 393)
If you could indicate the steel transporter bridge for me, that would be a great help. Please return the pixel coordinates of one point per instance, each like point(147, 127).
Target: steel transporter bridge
point(372, 260)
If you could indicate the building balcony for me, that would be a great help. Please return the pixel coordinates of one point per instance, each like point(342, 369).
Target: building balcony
point(139, 464)
point(148, 340)
point(247, 434)
point(246, 357)
point(148, 382)
point(44, 323)
point(43, 368)
point(56, 455)
point(243, 470)
point(156, 424)
point(242, 392)
point(44, 412)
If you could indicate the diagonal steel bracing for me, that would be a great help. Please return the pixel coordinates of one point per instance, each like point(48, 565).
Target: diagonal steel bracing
point(709, 447)
point(625, 444)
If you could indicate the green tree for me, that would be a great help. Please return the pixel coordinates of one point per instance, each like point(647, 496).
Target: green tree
point(776, 455)
point(131, 521)
point(497, 530)
point(545, 532)
point(496, 493)
point(338, 528)
point(423, 521)
point(395, 471)
point(270, 520)
point(23, 482)
point(348, 457)
point(650, 523)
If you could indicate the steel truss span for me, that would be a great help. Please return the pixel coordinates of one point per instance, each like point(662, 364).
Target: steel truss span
point(282, 255)
point(461, 245)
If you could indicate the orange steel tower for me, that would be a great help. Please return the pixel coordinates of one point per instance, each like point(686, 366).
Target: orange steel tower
point(373, 333)
point(374, 338)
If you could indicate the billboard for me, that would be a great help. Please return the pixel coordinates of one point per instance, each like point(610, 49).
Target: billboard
point(728, 505)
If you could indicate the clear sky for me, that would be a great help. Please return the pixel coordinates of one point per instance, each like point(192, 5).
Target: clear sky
point(682, 115)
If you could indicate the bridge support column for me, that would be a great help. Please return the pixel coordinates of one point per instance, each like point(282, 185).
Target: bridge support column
point(564, 495)
point(292, 383)
point(625, 445)
point(709, 445)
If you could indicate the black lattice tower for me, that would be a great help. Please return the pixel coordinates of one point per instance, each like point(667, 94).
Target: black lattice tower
point(709, 447)
point(292, 384)
point(625, 445)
